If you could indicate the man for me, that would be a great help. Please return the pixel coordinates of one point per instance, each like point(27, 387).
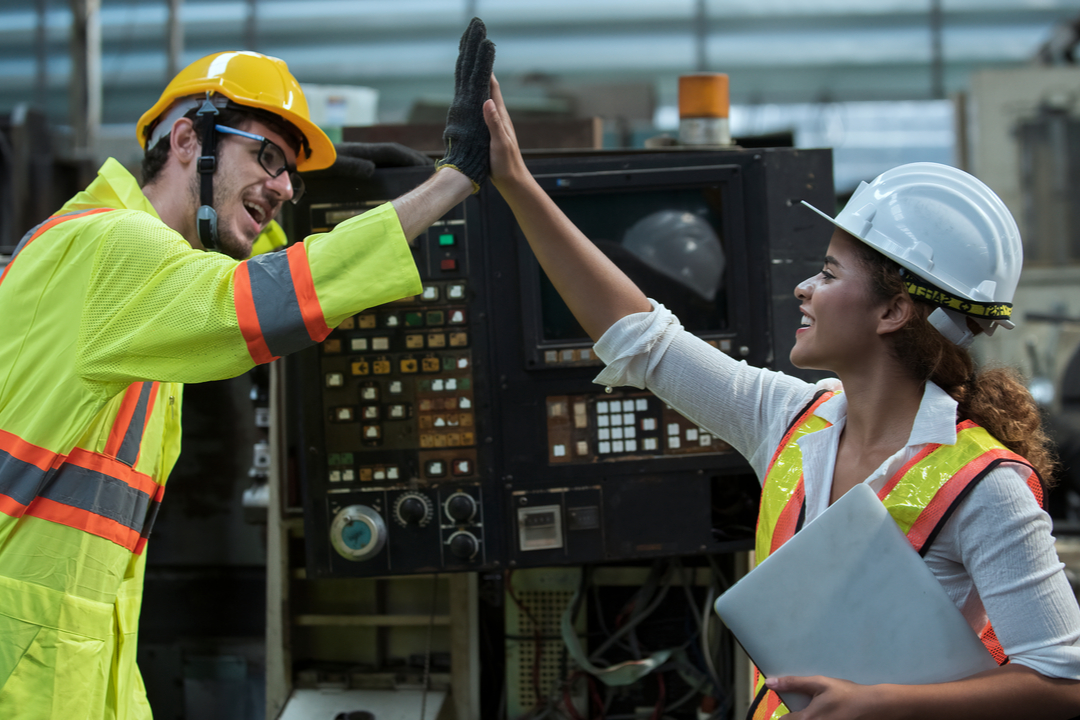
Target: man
point(111, 304)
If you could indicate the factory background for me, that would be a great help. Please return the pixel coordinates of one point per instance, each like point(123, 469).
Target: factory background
point(239, 621)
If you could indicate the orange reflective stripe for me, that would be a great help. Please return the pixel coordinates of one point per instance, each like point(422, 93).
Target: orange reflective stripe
point(798, 423)
point(80, 519)
point(943, 499)
point(247, 318)
point(27, 452)
point(304, 286)
point(123, 419)
point(895, 479)
point(788, 521)
point(48, 225)
point(113, 468)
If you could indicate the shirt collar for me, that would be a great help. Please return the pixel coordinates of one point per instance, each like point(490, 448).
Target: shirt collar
point(935, 422)
point(114, 187)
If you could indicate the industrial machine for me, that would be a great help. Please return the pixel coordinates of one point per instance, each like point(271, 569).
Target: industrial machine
point(461, 429)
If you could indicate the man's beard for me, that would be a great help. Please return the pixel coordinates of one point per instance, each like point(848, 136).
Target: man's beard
point(227, 242)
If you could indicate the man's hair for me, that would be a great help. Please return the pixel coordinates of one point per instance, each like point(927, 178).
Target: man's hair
point(234, 116)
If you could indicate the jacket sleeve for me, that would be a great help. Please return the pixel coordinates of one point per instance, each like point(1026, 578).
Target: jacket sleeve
point(158, 310)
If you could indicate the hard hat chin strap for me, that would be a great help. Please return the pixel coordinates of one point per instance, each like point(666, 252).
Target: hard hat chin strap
point(206, 217)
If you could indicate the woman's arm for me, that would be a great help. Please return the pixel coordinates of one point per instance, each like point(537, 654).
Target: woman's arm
point(594, 289)
point(1012, 692)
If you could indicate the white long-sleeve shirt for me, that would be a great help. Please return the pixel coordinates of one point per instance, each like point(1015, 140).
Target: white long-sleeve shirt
point(995, 556)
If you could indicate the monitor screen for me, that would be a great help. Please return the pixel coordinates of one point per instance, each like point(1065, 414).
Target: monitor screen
point(668, 240)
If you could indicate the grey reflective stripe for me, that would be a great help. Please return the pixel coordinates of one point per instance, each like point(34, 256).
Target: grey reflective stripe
point(30, 233)
point(276, 305)
point(97, 493)
point(129, 448)
point(19, 480)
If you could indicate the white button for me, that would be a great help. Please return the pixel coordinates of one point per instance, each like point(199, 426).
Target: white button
point(603, 434)
point(673, 442)
point(358, 344)
point(649, 443)
point(455, 292)
point(641, 404)
point(705, 439)
point(648, 424)
point(628, 418)
point(440, 422)
point(631, 446)
point(582, 447)
point(601, 407)
point(617, 446)
point(464, 403)
point(628, 406)
point(451, 384)
point(370, 393)
point(431, 293)
point(335, 380)
point(335, 476)
point(629, 431)
point(602, 421)
point(437, 385)
point(616, 433)
point(379, 474)
point(691, 434)
point(457, 317)
point(462, 363)
point(347, 476)
point(559, 451)
point(604, 448)
point(568, 356)
point(392, 473)
point(344, 414)
point(371, 412)
point(392, 321)
point(396, 387)
point(673, 429)
point(380, 343)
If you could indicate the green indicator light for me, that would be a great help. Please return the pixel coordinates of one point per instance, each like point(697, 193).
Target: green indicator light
point(446, 239)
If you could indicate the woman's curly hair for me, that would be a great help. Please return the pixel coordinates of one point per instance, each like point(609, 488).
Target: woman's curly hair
point(995, 398)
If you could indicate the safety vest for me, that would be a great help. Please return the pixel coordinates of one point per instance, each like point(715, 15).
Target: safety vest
point(104, 313)
point(920, 497)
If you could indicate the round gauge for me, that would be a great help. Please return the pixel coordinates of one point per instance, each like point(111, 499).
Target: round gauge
point(357, 532)
point(412, 509)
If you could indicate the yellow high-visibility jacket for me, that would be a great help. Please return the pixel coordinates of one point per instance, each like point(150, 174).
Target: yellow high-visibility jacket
point(920, 497)
point(104, 312)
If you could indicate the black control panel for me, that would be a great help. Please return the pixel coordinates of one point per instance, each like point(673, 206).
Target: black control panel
point(461, 429)
point(394, 410)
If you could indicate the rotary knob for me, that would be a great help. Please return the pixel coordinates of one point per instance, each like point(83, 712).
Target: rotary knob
point(463, 545)
point(357, 532)
point(461, 507)
point(413, 509)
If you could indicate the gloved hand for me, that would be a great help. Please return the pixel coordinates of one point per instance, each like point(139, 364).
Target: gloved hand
point(466, 136)
point(357, 159)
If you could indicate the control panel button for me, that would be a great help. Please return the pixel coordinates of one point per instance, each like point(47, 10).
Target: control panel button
point(357, 532)
point(460, 507)
point(463, 545)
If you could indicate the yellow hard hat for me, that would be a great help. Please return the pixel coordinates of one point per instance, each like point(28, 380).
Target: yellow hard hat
point(252, 80)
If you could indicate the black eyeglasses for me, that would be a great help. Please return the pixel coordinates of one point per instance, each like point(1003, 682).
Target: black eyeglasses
point(272, 159)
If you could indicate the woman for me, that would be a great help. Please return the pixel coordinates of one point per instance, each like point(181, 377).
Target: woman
point(906, 382)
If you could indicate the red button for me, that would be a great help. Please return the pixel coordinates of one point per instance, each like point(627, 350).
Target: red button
point(448, 265)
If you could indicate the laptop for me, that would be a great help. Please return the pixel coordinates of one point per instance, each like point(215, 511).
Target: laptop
point(848, 597)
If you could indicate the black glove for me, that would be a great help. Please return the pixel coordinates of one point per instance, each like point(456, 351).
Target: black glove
point(357, 159)
point(466, 136)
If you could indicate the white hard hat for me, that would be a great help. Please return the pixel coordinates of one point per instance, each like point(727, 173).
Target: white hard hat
point(955, 236)
point(682, 246)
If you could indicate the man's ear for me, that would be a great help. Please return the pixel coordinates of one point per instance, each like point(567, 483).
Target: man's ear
point(896, 313)
point(185, 143)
